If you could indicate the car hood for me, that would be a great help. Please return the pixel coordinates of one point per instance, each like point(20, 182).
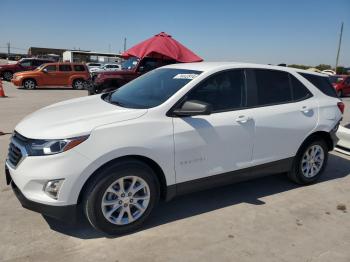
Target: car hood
point(26, 73)
point(74, 117)
point(8, 66)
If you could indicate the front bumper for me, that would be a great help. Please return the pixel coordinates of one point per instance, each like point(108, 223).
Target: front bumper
point(16, 82)
point(69, 213)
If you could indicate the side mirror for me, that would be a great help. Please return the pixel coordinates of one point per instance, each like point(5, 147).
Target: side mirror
point(193, 108)
point(45, 70)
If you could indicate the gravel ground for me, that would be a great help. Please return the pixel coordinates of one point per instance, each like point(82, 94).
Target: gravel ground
point(268, 219)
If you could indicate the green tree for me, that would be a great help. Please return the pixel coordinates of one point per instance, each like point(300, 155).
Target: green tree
point(323, 67)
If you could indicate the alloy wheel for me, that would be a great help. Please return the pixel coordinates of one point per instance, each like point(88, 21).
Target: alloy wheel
point(29, 84)
point(125, 200)
point(312, 161)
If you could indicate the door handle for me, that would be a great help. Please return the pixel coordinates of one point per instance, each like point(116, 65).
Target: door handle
point(243, 119)
point(305, 109)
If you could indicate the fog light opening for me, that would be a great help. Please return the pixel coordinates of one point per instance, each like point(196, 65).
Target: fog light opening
point(52, 188)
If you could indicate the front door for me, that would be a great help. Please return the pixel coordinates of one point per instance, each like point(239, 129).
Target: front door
point(220, 142)
point(48, 75)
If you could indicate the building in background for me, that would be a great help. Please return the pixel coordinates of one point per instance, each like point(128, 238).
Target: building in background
point(88, 56)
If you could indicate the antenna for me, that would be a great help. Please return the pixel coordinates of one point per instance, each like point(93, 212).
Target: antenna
point(339, 45)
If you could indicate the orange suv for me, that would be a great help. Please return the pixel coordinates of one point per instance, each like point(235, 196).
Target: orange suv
point(53, 74)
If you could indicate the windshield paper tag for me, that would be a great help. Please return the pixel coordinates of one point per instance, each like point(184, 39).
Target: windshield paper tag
point(185, 76)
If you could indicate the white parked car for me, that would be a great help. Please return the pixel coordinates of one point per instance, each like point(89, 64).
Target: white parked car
point(93, 65)
point(106, 67)
point(343, 144)
point(176, 129)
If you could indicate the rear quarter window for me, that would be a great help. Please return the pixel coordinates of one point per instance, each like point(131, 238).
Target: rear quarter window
point(322, 83)
point(79, 68)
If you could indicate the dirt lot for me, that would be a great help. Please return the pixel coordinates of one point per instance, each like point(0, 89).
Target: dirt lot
point(268, 219)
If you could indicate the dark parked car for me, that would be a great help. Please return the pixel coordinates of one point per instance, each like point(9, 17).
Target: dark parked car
point(25, 64)
point(131, 69)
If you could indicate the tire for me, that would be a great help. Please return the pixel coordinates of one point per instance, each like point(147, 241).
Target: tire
point(29, 84)
point(340, 93)
point(7, 75)
point(78, 84)
point(306, 171)
point(120, 214)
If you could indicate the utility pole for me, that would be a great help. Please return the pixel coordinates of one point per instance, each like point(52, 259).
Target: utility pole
point(8, 49)
point(124, 44)
point(339, 45)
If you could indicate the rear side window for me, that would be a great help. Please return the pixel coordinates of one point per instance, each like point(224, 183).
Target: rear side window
point(322, 83)
point(300, 92)
point(79, 68)
point(225, 91)
point(64, 68)
point(273, 87)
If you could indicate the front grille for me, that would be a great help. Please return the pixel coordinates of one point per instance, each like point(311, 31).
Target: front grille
point(14, 154)
point(16, 149)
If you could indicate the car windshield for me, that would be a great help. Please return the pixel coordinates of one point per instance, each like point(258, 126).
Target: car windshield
point(151, 89)
point(336, 79)
point(130, 63)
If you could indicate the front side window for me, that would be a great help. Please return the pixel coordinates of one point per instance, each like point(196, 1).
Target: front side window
point(26, 63)
point(50, 68)
point(65, 68)
point(223, 91)
point(272, 87)
point(151, 89)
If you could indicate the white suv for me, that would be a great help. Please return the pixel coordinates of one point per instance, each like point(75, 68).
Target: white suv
point(176, 129)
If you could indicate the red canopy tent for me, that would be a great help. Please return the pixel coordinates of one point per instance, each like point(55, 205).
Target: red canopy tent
point(162, 46)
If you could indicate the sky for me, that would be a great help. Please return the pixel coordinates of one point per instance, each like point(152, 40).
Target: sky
point(259, 31)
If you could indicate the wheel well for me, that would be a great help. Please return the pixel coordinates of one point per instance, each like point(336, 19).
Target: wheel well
point(29, 78)
point(151, 163)
point(325, 136)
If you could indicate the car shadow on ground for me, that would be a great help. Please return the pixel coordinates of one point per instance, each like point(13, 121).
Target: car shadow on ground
point(51, 88)
point(209, 200)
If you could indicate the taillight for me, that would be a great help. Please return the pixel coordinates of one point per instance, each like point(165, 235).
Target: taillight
point(341, 107)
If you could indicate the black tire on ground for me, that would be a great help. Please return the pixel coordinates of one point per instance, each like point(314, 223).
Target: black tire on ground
point(96, 189)
point(296, 174)
point(29, 84)
point(78, 84)
point(7, 75)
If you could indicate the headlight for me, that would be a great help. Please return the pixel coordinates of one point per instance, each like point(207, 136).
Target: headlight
point(49, 147)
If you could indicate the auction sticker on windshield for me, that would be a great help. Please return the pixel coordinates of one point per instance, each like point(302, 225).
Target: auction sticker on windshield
point(185, 76)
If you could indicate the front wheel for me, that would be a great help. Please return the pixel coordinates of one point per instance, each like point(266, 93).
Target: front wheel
point(29, 84)
point(122, 197)
point(309, 162)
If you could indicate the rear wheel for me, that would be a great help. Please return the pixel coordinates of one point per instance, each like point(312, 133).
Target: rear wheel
point(78, 84)
point(7, 75)
point(29, 84)
point(121, 197)
point(310, 162)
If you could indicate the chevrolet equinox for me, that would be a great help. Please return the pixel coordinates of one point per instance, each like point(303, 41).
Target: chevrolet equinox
point(176, 129)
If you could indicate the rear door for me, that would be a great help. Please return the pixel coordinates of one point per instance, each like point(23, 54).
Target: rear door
point(64, 73)
point(285, 113)
point(221, 142)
